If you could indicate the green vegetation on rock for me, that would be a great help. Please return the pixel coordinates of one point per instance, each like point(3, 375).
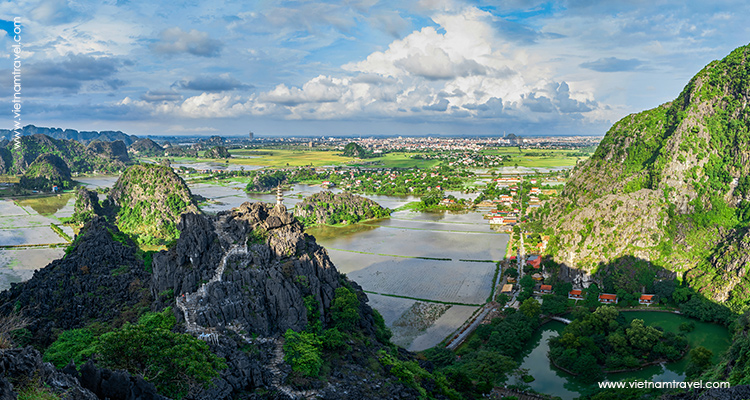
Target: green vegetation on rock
point(149, 200)
point(328, 208)
point(174, 362)
point(46, 171)
point(217, 152)
point(666, 193)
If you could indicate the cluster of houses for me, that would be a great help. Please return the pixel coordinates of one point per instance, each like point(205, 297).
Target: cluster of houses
point(536, 263)
point(503, 217)
point(507, 182)
point(608, 298)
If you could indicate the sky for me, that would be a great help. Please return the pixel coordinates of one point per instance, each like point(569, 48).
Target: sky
point(356, 67)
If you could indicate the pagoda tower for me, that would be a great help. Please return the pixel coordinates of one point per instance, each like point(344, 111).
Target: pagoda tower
point(279, 196)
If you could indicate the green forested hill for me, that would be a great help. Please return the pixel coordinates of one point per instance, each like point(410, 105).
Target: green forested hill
point(98, 156)
point(149, 200)
point(669, 188)
point(46, 171)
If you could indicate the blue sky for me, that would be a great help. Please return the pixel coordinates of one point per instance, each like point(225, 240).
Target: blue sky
point(358, 67)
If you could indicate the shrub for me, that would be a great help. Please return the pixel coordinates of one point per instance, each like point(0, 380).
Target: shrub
point(76, 345)
point(382, 333)
point(333, 339)
point(345, 309)
point(302, 352)
point(173, 362)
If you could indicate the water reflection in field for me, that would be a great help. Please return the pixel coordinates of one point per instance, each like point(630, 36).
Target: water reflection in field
point(390, 239)
point(27, 222)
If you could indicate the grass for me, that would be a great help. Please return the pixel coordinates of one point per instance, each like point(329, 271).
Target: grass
point(34, 392)
point(560, 158)
point(60, 232)
point(398, 160)
point(290, 158)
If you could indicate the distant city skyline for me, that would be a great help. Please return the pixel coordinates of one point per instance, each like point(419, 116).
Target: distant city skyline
point(355, 67)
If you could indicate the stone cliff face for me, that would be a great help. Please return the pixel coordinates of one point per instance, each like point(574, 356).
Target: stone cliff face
point(98, 279)
point(248, 270)
point(668, 186)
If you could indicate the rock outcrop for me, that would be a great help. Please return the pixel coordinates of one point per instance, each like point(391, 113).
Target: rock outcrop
point(242, 277)
point(116, 150)
point(146, 148)
point(46, 171)
point(217, 152)
point(248, 270)
point(86, 206)
point(83, 137)
point(100, 158)
point(237, 280)
point(328, 208)
point(6, 160)
point(669, 186)
point(99, 279)
point(149, 200)
point(22, 369)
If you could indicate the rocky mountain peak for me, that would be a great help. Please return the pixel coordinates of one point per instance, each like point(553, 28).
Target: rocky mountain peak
point(668, 186)
point(248, 270)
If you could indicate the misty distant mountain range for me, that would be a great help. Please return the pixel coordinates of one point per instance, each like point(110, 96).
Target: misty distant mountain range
point(84, 137)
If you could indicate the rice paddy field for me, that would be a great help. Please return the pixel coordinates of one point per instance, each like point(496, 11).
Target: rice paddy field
point(398, 160)
point(419, 258)
point(287, 158)
point(528, 159)
point(27, 242)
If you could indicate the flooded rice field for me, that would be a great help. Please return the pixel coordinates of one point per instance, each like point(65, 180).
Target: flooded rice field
point(426, 258)
point(26, 222)
point(440, 264)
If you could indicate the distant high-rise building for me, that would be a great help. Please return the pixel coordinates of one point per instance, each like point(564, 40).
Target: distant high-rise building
point(251, 135)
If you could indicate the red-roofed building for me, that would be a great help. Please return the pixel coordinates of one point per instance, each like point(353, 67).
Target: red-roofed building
point(607, 298)
point(575, 294)
point(646, 299)
point(546, 289)
point(536, 263)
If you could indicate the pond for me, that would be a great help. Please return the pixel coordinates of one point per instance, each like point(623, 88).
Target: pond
point(551, 380)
